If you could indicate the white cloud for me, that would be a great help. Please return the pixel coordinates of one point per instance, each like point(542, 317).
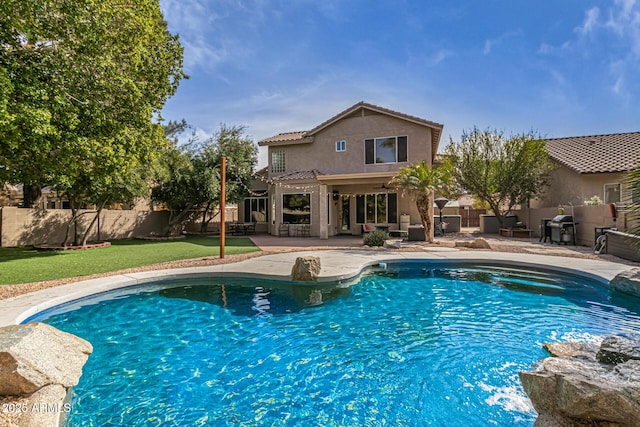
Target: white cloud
point(624, 21)
point(590, 21)
point(188, 16)
point(489, 44)
point(440, 56)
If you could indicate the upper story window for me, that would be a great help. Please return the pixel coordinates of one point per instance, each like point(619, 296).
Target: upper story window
point(612, 193)
point(277, 161)
point(341, 145)
point(391, 149)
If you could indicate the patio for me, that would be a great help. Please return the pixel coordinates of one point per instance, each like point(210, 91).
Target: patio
point(268, 243)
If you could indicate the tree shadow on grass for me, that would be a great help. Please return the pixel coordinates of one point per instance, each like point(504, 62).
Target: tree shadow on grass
point(24, 252)
point(208, 241)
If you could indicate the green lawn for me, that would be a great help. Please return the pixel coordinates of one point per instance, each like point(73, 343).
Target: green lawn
point(24, 265)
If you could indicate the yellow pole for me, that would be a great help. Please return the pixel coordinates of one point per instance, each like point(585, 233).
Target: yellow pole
point(223, 178)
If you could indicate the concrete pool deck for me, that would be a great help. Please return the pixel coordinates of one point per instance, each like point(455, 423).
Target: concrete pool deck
point(336, 266)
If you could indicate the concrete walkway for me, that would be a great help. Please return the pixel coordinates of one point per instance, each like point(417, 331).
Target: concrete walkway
point(342, 266)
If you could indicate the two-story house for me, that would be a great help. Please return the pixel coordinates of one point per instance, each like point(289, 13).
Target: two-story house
point(334, 177)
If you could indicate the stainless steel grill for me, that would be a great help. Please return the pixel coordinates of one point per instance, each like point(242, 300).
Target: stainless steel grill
point(562, 229)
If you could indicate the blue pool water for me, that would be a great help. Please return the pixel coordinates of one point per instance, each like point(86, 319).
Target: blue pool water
point(413, 345)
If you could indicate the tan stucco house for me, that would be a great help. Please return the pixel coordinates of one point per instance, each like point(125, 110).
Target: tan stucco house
point(333, 178)
point(591, 166)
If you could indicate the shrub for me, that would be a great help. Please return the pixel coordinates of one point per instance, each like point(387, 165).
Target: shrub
point(594, 201)
point(376, 238)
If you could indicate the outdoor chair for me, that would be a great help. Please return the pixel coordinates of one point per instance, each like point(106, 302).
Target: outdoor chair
point(235, 229)
point(303, 230)
point(250, 228)
point(367, 228)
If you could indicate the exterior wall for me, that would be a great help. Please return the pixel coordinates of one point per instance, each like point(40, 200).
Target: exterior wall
point(568, 187)
point(23, 227)
point(321, 154)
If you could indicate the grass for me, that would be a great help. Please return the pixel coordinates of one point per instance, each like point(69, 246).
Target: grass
point(25, 265)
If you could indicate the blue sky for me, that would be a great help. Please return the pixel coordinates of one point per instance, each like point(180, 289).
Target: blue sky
point(561, 68)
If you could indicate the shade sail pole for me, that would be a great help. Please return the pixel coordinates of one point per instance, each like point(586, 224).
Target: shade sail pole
point(223, 179)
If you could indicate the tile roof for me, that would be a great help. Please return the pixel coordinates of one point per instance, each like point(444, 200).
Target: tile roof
point(284, 138)
point(304, 137)
point(312, 174)
point(372, 107)
point(618, 152)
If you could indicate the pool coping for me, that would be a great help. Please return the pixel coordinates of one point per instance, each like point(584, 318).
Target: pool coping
point(341, 266)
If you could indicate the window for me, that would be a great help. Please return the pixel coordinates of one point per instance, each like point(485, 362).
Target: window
point(341, 145)
point(612, 193)
point(381, 208)
point(385, 150)
point(277, 161)
point(255, 209)
point(296, 208)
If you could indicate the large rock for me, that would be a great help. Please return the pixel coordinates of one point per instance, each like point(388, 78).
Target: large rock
point(572, 349)
point(479, 243)
point(306, 269)
point(628, 282)
point(576, 389)
point(35, 355)
point(616, 350)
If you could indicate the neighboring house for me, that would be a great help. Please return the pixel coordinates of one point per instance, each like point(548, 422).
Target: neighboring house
point(591, 166)
point(334, 177)
point(11, 195)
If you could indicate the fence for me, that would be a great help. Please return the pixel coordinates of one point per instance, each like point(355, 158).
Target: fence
point(24, 227)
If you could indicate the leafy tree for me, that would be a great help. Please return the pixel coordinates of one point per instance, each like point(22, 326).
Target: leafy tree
point(80, 85)
point(503, 172)
point(241, 153)
point(189, 183)
point(420, 181)
point(121, 187)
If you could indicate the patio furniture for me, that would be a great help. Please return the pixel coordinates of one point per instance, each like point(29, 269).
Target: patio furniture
point(303, 230)
point(398, 233)
point(283, 229)
point(250, 228)
point(416, 233)
point(367, 228)
point(521, 233)
point(545, 230)
point(235, 229)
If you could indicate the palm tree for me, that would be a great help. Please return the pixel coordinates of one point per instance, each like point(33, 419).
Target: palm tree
point(420, 182)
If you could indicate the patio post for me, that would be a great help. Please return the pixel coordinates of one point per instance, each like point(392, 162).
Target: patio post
point(223, 178)
point(325, 204)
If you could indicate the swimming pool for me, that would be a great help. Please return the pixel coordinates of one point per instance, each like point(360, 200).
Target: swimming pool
point(409, 344)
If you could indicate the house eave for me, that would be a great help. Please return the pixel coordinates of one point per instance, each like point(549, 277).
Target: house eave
point(356, 178)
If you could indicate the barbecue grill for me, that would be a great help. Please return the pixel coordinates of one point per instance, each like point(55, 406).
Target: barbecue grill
point(562, 229)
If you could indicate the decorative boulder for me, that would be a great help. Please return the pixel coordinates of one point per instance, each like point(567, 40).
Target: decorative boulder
point(617, 350)
point(36, 355)
point(628, 282)
point(480, 243)
point(461, 244)
point(576, 389)
point(306, 269)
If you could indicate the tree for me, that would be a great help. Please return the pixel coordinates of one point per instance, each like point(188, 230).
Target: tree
point(420, 181)
point(189, 183)
point(80, 85)
point(503, 172)
point(123, 187)
point(633, 183)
